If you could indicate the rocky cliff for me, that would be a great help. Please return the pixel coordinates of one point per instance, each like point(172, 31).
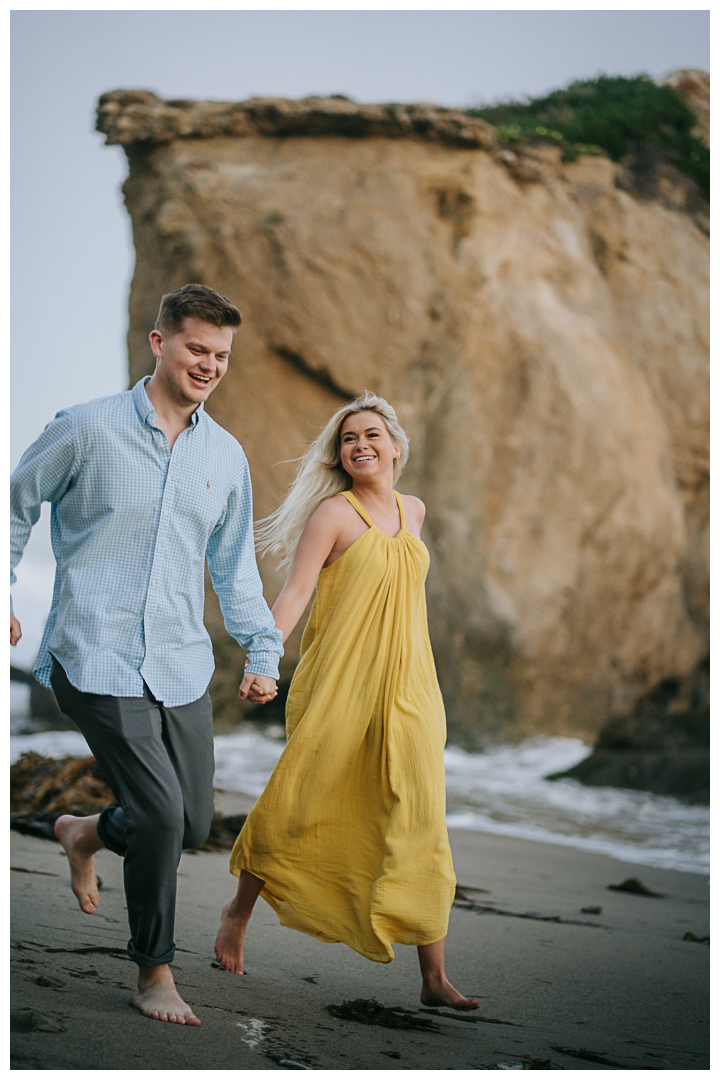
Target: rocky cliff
point(541, 329)
point(694, 88)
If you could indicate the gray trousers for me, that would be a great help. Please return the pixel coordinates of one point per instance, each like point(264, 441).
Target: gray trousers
point(159, 764)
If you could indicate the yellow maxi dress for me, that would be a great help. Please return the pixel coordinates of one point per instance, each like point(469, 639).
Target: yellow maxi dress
point(349, 835)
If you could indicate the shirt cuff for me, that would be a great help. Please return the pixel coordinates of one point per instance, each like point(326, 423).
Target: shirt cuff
point(264, 663)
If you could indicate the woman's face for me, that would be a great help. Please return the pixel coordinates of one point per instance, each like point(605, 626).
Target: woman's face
point(366, 449)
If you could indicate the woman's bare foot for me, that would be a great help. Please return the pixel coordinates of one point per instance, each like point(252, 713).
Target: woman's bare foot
point(444, 993)
point(157, 998)
point(230, 939)
point(79, 837)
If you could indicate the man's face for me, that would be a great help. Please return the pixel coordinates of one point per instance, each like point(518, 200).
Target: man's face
point(191, 362)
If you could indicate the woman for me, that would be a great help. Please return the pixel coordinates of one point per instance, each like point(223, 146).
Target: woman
point(348, 841)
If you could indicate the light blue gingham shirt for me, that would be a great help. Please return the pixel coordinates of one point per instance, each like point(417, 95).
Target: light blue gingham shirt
point(131, 526)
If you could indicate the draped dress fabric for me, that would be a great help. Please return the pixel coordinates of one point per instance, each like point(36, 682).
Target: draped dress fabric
point(349, 835)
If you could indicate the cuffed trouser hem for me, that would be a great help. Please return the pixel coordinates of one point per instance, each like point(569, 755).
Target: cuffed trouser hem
point(149, 961)
point(111, 829)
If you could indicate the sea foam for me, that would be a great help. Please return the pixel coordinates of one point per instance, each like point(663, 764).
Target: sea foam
point(501, 791)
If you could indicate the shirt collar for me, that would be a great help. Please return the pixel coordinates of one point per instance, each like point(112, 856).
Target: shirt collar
point(145, 408)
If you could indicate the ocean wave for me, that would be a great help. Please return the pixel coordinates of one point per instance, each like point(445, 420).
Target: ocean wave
point(501, 791)
point(504, 791)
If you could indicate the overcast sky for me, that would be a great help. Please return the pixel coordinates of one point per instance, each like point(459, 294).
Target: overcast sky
point(72, 254)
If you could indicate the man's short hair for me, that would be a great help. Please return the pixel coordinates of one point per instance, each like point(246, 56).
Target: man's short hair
point(195, 301)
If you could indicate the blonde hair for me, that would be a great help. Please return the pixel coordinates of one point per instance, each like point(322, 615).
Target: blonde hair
point(320, 476)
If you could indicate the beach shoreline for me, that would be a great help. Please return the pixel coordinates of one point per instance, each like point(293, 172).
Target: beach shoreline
point(623, 985)
point(502, 791)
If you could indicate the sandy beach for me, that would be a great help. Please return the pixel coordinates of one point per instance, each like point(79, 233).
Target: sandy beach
point(623, 986)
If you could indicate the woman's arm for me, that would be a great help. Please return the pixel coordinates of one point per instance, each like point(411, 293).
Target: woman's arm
point(314, 546)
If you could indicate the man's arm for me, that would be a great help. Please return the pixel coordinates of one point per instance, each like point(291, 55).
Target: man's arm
point(46, 470)
point(236, 580)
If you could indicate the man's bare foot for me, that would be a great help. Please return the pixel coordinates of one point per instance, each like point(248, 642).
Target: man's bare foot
point(444, 993)
point(157, 998)
point(78, 835)
point(230, 939)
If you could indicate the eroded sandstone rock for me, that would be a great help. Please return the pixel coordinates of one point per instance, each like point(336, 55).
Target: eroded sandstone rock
point(542, 334)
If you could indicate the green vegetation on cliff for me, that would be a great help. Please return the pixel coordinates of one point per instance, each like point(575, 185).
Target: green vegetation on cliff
point(614, 116)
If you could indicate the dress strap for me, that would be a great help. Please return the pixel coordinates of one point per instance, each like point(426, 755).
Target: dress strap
point(356, 505)
point(401, 508)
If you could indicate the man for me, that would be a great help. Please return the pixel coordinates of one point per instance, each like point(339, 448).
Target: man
point(144, 487)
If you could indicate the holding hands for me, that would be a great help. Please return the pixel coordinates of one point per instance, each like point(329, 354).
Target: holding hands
point(257, 689)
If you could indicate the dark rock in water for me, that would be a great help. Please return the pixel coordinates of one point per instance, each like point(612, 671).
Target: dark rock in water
point(20, 675)
point(663, 746)
point(689, 936)
point(44, 709)
point(635, 886)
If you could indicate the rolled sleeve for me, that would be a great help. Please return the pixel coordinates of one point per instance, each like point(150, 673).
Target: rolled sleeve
point(236, 580)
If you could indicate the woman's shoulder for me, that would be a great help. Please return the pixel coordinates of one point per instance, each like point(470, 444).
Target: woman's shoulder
point(414, 509)
point(331, 511)
point(333, 505)
point(411, 502)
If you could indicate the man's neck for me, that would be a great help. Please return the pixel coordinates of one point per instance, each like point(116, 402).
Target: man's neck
point(172, 416)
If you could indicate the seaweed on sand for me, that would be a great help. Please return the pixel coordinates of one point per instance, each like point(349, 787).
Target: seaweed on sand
point(43, 788)
point(370, 1011)
point(635, 886)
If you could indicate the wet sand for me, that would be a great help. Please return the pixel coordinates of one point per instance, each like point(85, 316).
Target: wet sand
point(623, 985)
